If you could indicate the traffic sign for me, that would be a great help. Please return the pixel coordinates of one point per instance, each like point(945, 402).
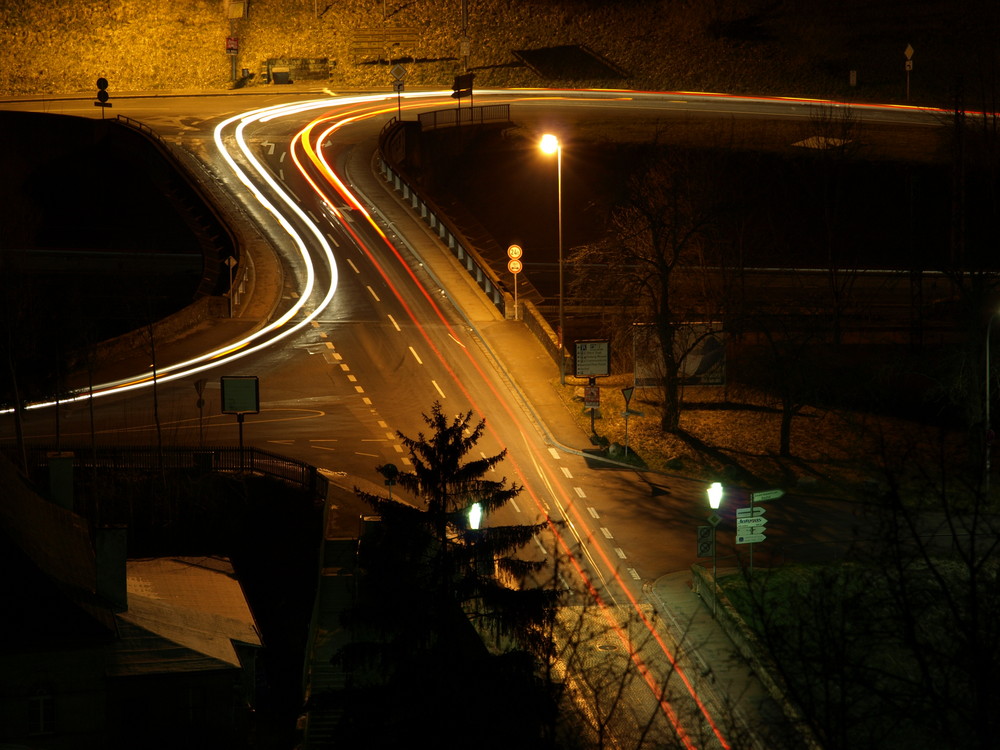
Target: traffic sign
point(514, 265)
point(714, 519)
point(706, 541)
point(627, 394)
point(398, 72)
point(514, 251)
point(753, 521)
point(750, 538)
point(759, 497)
point(749, 512)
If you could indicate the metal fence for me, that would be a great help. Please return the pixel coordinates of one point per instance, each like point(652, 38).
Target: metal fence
point(443, 118)
point(150, 458)
point(485, 278)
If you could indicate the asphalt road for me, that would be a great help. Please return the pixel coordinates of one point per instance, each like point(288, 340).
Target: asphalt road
point(370, 342)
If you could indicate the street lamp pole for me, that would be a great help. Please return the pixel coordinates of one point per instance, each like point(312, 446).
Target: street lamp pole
point(989, 433)
point(550, 144)
point(714, 501)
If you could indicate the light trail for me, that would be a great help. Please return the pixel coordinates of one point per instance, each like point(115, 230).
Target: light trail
point(304, 140)
point(298, 316)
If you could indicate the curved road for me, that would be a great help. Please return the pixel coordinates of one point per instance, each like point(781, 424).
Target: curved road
point(361, 341)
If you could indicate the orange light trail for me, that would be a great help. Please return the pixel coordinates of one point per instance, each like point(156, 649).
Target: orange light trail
point(304, 141)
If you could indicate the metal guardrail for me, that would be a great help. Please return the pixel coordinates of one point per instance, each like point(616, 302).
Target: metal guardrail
point(142, 458)
point(437, 219)
point(464, 115)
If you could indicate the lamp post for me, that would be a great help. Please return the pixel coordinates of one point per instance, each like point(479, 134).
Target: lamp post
point(550, 145)
point(714, 501)
point(989, 432)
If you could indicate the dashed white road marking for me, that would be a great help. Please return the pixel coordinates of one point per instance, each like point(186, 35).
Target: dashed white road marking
point(416, 356)
point(593, 512)
point(607, 532)
point(373, 293)
point(620, 552)
point(579, 491)
point(351, 264)
point(554, 452)
point(567, 473)
point(434, 383)
point(394, 323)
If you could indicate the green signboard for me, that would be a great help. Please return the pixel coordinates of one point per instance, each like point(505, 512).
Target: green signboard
point(240, 394)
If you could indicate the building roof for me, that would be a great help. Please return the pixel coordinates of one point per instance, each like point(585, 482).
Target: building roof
point(184, 614)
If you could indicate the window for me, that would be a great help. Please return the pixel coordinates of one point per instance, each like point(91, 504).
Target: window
point(41, 713)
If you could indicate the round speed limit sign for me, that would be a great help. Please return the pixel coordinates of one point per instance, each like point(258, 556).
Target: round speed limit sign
point(514, 252)
point(514, 265)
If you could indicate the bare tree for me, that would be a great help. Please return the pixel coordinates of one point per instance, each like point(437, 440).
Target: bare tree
point(651, 261)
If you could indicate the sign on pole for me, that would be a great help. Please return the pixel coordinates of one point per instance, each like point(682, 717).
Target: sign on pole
point(593, 358)
point(759, 497)
point(749, 538)
point(749, 512)
point(240, 394)
point(706, 542)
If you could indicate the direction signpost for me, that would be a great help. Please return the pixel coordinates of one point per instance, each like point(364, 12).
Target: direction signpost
point(750, 522)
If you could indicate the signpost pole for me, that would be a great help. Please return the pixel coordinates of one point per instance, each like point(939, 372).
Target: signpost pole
point(751, 543)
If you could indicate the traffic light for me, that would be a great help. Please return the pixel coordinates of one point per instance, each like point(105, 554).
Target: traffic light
point(102, 93)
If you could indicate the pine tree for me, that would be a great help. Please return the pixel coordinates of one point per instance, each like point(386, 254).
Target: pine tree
point(472, 568)
point(443, 611)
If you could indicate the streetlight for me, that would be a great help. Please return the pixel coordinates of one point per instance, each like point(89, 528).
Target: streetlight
point(550, 145)
point(714, 501)
point(475, 516)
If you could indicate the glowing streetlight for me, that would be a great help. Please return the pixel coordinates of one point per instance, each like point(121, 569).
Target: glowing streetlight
point(715, 495)
point(475, 515)
point(550, 145)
